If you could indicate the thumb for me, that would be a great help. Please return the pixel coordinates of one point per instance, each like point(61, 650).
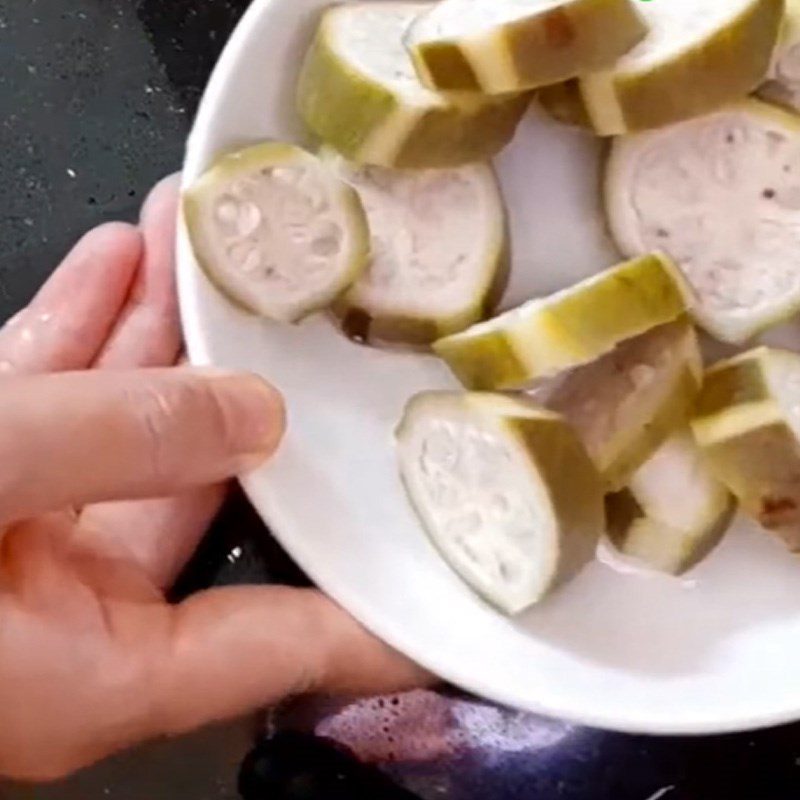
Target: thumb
point(75, 438)
point(237, 649)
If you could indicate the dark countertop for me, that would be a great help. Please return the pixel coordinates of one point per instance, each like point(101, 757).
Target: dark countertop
point(96, 98)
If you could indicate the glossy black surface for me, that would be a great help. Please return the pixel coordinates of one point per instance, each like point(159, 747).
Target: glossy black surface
point(96, 97)
point(299, 766)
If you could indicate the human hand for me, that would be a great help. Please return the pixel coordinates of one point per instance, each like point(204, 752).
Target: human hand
point(92, 658)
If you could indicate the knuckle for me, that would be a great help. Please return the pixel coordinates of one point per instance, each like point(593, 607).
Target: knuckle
point(154, 416)
point(179, 416)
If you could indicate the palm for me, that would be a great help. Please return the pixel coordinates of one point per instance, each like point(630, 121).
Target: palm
point(92, 658)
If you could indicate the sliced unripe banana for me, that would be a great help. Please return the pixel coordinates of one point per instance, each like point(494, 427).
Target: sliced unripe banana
point(359, 92)
point(544, 337)
point(500, 46)
point(627, 403)
point(276, 230)
point(748, 423)
point(721, 196)
point(439, 251)
point(673, 512)
point(696, 58)
point(505, 491)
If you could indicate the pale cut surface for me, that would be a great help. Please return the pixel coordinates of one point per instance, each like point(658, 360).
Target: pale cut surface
point(748, 423)
point(504, 489)
point(674, 511)
point(627, 403)
point(676, 26)
point(359, 92)
point(721, 196)
point(370, 39)
point(499, 46)
point(695, 58)
point(465, 17)
point(438, 251)
point(276, 231)
point(575, 326)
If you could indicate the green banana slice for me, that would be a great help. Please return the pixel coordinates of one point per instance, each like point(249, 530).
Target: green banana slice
point(439, 254)
point(748, 423)
point(673, 512)
point(505, 491)
point(276, 231)
point(696, 58)
point(500, 46)
point(721, 196)
point(625, 405)
point(783, 80)
point(359, 93)
point(544, 337)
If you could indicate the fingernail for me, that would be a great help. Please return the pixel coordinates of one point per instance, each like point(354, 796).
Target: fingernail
point(254, 416)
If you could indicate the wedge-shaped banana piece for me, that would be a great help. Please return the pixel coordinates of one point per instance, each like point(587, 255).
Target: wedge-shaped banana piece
point(499, 46)
point(276, 230)
point(673, 512)
point(783, 81)
point(627, 403)
point(721, 195)
point(504, 489)
point(439, 251)
point(748, 423)
point(359, 92)
point(696, 58)
point(572, 327)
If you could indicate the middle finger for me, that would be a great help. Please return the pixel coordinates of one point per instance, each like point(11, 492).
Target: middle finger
point(68, 321)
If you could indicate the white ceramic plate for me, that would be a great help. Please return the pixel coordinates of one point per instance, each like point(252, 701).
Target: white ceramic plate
point(718, 651)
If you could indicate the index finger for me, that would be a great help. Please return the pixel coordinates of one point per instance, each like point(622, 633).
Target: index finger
point(77, 438)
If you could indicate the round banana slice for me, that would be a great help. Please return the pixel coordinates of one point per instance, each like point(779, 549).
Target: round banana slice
point(748, 423)
point(503, 46)
point(544, 337)
point(673, 512)
point(359, 92)
point(696, 58)
point(505, 491)
point(626, 404)
point(439, 255)
point(783, 81)
point(721, 196)
point(276, 231)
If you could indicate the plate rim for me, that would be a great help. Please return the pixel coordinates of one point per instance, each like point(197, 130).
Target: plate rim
point(199, 355)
